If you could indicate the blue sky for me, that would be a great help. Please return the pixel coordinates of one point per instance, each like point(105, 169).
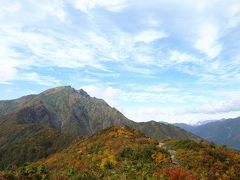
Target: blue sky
point(163, 60)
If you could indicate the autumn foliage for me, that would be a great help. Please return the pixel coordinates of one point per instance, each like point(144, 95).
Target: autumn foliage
point(122, 153)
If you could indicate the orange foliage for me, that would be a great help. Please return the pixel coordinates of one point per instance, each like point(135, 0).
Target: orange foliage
point(174, 173)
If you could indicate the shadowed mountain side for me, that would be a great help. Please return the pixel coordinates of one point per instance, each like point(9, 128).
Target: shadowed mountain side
point(26, 143)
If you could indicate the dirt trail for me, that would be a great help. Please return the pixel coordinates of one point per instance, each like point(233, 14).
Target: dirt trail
point(172, 153)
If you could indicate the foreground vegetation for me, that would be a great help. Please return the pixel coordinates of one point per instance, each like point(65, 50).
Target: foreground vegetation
point(207, 161)
point(121, 153)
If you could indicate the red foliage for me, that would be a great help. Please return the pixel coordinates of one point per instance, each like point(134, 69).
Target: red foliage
point(174, 173)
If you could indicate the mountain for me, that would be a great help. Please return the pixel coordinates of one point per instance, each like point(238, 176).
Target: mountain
point(124, 153)
point(184, 126)
point(75, 112)
point(225, 131)
point(61, 115)
point(162, 131)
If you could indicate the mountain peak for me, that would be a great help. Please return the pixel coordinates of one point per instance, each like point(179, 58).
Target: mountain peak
point(83, 93)
point(58, 89)
point(66, 89)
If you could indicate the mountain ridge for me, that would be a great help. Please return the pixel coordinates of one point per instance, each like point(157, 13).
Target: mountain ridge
point(224, 131)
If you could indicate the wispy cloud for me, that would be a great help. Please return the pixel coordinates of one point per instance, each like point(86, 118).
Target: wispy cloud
point(171, 51)
point(149, 36)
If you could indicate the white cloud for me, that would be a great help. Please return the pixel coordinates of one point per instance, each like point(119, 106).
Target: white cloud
point(233, 15)
point(54, 8)
point(208, 40)
point(150, 35)
point(39, 79)
point(171, 115)
point(111, 5)
point(230, 104)
point(108, 93)
point(228, 108)
point(153, 22)
point(138, 70)
point(7, 73)
point(182, 57)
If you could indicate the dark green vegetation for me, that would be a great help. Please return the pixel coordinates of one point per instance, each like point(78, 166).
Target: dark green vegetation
point(36, 126)
point(122, 153)
point(225, 132)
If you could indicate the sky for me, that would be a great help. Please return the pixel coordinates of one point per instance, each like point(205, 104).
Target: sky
point(162, 60)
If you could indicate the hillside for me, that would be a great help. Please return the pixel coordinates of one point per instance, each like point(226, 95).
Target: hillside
point(222, 132)
point(122, 153)
point(26, 143)
point(57, 117)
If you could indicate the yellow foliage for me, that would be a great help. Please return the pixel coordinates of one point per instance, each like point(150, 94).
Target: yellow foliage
point(108, 162)
point(225, 177)
point(158, 157)
point(106, 152)
point(121, 131)
point(95, 157)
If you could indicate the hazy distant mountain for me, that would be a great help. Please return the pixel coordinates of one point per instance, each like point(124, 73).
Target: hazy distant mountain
point(199, 123)
point(225, 131)
point(64, 111)
point(184, 126)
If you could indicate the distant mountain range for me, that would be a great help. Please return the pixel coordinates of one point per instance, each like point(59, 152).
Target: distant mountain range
point(224, 131)
point(35, 126)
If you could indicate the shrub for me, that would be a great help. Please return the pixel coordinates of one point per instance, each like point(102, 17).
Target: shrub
point(86, 176)
point(188, 144)
point(70, 172)
point(107, 163)
point(28, 171)
point(174, 173)
point(95, 148)
point(8, 175)
point(42, 173)
point(158, 157)
point(31, 172)
point(143, 154)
